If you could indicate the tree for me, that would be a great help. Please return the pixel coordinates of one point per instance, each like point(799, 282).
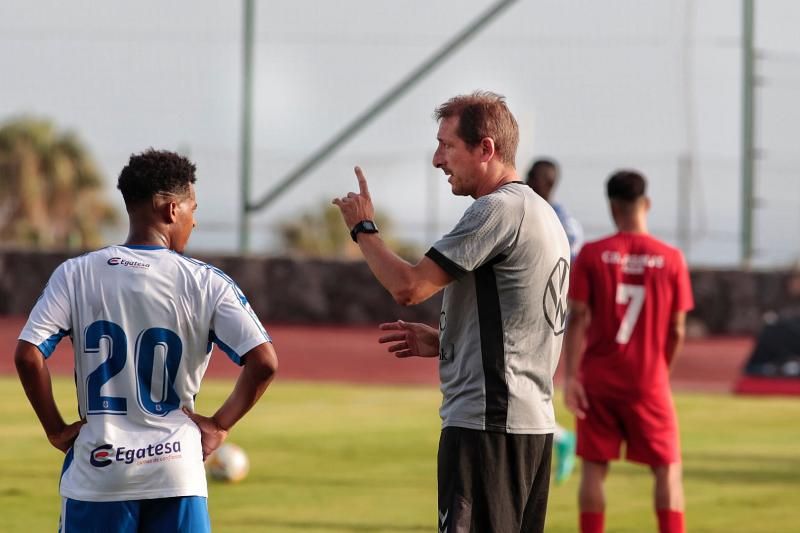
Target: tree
point(320, 232)
point(51, 193)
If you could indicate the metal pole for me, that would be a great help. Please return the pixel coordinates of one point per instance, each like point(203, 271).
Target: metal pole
point(382, 103)
point(686, 160)
point(247, 124)
point(685, 203)
point(748, 135)
point(431, 202)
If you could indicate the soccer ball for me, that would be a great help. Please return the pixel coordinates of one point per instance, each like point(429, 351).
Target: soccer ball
point(228, 463)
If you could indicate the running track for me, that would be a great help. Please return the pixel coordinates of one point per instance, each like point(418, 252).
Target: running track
point(353, 355)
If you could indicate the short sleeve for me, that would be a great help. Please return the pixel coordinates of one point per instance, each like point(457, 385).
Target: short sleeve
point(579, 285)
point(486, 230)
point(684, 300)
point(51, 317)
point(235, 328)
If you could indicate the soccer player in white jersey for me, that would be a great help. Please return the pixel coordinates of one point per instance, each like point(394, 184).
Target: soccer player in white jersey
point(504, 270)
point(142, 318)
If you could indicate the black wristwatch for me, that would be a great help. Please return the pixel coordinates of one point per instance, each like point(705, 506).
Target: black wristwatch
point(365, 226)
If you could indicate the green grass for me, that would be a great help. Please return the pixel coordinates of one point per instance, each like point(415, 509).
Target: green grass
point(329, 458)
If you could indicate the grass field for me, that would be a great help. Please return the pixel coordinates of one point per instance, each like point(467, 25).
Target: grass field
point(331, 458)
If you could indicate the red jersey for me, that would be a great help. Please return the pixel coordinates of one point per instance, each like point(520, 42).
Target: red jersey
point(632, 283)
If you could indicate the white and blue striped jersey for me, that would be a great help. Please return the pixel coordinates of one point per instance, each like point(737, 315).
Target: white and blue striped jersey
point(142, 320)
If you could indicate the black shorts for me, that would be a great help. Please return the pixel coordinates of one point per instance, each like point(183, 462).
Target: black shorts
point(492, 482)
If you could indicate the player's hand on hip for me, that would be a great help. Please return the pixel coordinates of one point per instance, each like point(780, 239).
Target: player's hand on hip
point(411, 339)
point(575, 397)
point(64, 439)
point(211, 434)
point(356, 207)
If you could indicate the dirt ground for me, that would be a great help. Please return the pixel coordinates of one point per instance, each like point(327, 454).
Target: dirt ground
point(353, 355)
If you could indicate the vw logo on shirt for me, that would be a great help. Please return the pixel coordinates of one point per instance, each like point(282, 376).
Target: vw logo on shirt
point(554, 300)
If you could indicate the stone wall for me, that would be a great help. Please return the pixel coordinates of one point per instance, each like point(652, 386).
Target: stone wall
point(285, 290)
point(732, 302)
point(279, 289)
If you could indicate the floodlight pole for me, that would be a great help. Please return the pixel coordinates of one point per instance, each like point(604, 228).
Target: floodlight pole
point(685, 171)
point(362, 120)
point(245, 148)
point(686, 160)
point(748, 135)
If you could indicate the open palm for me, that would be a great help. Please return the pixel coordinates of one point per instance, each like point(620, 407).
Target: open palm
point(411, 339)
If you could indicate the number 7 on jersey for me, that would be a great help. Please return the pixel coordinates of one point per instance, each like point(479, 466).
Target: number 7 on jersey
point(633, 297)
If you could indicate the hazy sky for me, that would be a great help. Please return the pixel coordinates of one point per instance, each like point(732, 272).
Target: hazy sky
point(597, 85)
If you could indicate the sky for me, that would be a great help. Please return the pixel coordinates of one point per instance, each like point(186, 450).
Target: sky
point(597, 85)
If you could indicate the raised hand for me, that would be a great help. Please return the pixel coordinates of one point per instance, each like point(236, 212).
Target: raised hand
point(356, 207)
point(211, 434)
point(411, 339)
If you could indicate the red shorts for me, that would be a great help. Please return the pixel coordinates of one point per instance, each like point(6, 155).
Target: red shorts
point(648, 426)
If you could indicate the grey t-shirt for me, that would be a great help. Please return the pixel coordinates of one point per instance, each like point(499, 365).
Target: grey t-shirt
point(503, 316)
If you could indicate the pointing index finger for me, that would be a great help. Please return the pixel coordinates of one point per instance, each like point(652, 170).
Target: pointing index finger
point(362, 182)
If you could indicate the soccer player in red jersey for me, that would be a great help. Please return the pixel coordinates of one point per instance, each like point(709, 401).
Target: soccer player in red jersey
point(629, 294)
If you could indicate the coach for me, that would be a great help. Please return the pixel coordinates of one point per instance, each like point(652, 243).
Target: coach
point(504, 271)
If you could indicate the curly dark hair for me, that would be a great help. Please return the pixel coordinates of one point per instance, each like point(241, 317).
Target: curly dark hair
point(155, 171)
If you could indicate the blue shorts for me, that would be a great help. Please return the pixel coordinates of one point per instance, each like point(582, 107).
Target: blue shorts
point(187, 514)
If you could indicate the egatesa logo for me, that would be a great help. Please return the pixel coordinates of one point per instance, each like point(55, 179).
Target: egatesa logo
point(114, 261)
point(152, 453)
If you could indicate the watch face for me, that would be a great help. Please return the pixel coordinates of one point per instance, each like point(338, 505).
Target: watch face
point(365, 226)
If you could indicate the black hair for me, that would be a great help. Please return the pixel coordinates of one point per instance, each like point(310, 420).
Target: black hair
point(626, 186)
point(152, 172)
point(540, 164)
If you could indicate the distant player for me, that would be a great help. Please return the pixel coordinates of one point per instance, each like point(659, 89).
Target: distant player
point(629, 294)
point(504, 270)
point(542, 178)
point(142, 318)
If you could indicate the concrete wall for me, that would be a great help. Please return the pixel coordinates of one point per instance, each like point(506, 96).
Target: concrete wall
point(284, 290)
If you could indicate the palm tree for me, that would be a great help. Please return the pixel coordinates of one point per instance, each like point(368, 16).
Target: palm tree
point(50, 189)
point(320, 232)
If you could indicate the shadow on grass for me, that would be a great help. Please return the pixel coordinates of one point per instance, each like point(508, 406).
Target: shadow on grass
point(746, 468)
point(335, 482)
point(335, 526)
point(749, 468)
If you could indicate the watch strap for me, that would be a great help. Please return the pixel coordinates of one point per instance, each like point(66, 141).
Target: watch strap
point(365, 226)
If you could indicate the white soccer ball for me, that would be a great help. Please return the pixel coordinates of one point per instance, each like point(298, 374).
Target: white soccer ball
point(228, 463)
